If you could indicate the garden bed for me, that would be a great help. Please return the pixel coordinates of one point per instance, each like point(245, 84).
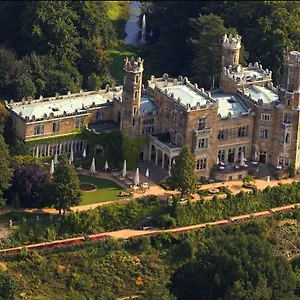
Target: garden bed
point(214, 191)
point(87, 187)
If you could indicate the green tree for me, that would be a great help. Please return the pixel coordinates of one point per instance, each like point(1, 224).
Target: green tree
point(206, 39)
point(9, 287)
point(183, 176)
point(65, 186)
point(157, 291)
point(237, 266)
point(5, 171)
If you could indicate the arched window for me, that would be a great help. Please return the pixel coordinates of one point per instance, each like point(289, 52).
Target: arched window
point(136, 78)
point(135, 94)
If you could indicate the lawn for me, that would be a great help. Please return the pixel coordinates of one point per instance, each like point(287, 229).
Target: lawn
point(107, 190)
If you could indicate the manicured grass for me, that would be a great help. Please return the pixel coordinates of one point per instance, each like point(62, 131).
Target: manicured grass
point(118, 12)
point(107, 190)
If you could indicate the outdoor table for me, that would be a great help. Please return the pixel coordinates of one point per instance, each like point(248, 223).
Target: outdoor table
point(222, 164)
point(279, 167)
point(222, 168)
point(246, 166)
point(237, 167)
point(145, 185)
point(254, 162)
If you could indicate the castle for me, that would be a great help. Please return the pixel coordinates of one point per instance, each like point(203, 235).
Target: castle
point(247, 117)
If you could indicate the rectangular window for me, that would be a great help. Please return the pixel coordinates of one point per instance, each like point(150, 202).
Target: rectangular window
point(39, 129)
point(99, 115)
point(263, 133)
point(79, 123)
point(201, 164)
point(201, 123)
point(55, 127)
point(265, 117)
point(203, 143)
point(136, 94)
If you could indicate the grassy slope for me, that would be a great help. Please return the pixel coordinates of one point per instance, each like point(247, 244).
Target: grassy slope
point(118, 13)
point(106, 190)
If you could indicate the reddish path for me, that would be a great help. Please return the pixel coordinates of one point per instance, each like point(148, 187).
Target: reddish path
point(130, 233)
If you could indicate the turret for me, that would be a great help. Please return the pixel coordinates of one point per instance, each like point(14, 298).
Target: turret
point(131, 97)
point(231, 50)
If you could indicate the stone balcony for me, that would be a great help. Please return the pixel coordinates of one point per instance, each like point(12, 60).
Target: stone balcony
point(286, 126)
point(167, 147)
point(203, 132)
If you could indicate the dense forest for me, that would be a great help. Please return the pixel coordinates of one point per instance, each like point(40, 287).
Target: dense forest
point(49, 47)
point(238, 262)
point(186, 36)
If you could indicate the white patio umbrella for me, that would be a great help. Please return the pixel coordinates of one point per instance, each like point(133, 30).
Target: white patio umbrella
point(84, 153)
point(71, 156)
point(93, 166)
point(55, 158)
point(124, 169)
point(137, 177)
point(52, 167)
point(106, 166)
point(147, 173)
point(268, 179)
point(242, 162)
point(218, 160)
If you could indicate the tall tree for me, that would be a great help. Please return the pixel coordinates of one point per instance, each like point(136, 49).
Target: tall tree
point(5, 171)
point(65, 186)
point(28, 182)
point(183, 176)
point(206, 40)
point(237, 266)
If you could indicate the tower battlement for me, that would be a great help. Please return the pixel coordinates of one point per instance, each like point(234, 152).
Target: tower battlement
point(232, 42)
point(132, 65)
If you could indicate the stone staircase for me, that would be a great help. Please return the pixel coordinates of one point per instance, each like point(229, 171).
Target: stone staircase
point(265, 170)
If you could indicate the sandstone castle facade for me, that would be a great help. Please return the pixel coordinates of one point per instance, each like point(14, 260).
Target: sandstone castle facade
point(247, 117)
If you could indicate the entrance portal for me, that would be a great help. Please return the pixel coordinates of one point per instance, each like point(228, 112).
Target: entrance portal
point(262, 157)
point(141, 155)
point(231, 154)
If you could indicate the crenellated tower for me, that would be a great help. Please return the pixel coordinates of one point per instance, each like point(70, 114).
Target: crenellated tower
point(231, 51)
point(290, 85)
point(131, 97)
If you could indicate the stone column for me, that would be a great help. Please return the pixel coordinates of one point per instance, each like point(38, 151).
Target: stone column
point(149, 155)
point(156, 155)
point(163, 160)
point(60, 148)
point(48, 150)
point(170, 165)
point(37, 151)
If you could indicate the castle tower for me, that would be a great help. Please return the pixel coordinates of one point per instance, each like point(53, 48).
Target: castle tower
point(287, 141)
point(131, 97)
point(231, 51)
